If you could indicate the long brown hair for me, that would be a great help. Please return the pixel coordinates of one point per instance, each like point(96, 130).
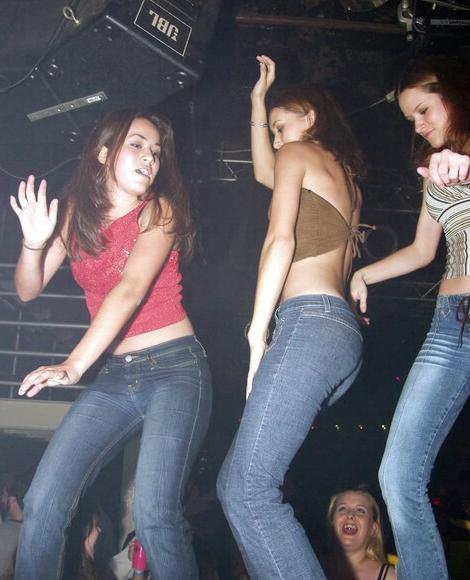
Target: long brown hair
point(450, 79)
point(86, 196)
point(331, 129)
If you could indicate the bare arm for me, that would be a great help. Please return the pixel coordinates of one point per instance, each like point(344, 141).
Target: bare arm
point(42, 252)
point(261, 147)
point(354, 223)
point(143, 265)
point(418, 254)
point(278, 249)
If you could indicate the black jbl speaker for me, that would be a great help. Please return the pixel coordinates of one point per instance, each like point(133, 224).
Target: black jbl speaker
point(137, 52)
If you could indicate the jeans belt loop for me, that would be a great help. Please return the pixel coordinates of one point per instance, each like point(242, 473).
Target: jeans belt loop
point(326, 303)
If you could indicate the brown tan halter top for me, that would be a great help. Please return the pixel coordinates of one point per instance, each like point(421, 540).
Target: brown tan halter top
point(321, 227)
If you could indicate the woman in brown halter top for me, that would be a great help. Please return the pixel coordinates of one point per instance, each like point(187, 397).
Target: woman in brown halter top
point(315, 352)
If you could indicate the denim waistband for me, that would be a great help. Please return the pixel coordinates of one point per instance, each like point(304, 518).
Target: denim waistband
point(325, 301)
point(450, 300)
point(160, 349)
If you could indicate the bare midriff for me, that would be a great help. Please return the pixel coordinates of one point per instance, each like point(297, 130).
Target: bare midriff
point(319, 275)
point(455, 285)
point(153, 338)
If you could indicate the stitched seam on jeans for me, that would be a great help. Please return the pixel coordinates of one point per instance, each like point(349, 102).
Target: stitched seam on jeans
point(397, 429)
point(385, 490)
point(201, 345)
point(76, 500)
point(432, 339)
point(277, 332)
point(334, 319)
point(196, 416)
point(436, 431)
point(255, 446)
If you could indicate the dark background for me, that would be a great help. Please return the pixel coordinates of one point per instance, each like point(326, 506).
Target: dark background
point(358, 55)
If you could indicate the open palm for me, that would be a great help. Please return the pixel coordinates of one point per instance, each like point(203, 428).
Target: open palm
point(37, 220)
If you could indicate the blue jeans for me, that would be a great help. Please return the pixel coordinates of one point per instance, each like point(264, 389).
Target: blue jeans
point(313, 358)
point(164, 390)
point(433, 396)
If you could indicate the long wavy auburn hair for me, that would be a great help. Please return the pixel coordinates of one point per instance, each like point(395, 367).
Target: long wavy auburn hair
point(86, 201)
point(450, 79)
point(331, 128)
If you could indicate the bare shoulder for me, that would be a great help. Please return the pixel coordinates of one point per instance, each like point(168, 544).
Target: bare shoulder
point(301, 150)
point(302, 157)
point(156, 213)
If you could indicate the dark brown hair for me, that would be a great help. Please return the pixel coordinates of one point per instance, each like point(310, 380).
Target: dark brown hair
point(86, 195)
point(450, 79)
point(331, 129)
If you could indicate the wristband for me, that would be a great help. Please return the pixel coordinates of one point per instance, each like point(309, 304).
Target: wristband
point(25, 245)
point(261, 125)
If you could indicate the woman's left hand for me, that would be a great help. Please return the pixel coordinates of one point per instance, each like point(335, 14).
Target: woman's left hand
point(267, 75)
point(447, 168)
point(257, 349)
point(49, 376)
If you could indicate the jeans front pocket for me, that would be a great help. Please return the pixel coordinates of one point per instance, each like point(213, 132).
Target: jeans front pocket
point(276, 333)
point(442, 306)
point(174, 358)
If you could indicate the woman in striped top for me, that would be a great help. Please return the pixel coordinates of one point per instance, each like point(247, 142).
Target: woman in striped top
point(434, 95)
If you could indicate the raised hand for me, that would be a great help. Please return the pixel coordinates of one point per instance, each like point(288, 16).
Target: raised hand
point(37, 220)
point(48, 376)
point(267, 74)
point(447, 168)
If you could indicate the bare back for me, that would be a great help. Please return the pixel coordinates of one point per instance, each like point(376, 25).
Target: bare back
point(325, 273)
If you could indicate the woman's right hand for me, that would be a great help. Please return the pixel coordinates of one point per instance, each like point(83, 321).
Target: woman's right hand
point(257, 350)
point(37, 220)
point(358, 290)
point(267, 74)
point(447, 168)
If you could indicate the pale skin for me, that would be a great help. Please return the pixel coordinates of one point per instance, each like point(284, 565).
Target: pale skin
point(296, 164)
point(43, 252)
point(430, 118)
point(354, 526)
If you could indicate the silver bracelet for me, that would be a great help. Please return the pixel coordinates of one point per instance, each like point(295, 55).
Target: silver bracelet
point(261, 125)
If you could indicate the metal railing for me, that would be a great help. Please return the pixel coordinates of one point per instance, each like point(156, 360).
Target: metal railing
point(23, 337)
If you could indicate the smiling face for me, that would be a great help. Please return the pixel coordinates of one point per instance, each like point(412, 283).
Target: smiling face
point(353, 521)
point(428, 113)
point(288, 126)
point(138, 161)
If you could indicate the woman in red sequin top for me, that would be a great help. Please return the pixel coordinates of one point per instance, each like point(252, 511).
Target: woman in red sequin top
point(123, 222)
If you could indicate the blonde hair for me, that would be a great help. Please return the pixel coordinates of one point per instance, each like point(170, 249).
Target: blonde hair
point(375, 547)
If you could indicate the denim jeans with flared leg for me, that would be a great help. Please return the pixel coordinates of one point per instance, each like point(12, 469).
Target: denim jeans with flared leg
point(164, 390)
point(433, 396)
point(313, 358)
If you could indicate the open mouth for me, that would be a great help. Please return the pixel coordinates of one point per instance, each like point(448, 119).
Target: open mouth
point(349, 529)
point(144, 171)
